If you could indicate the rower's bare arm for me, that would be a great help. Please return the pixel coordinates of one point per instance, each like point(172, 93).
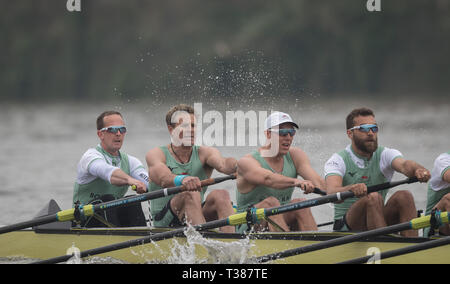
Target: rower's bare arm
point(120, 178)
point(304, 168)
point(215, 160)
point(157, 168)
point(253, 173)
point(411, 168)
point(334, 185)
point(446, 176)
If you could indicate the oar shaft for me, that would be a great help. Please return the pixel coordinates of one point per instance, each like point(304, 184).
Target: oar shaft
point(416, 224)
point(235, 219)
point(333, 242)
point(333, 197)
point(386, 185)
point(156, 194)
point(328, 199)
point(23, 225)
point(136, 242)
point(89, 210)
point(401, 251)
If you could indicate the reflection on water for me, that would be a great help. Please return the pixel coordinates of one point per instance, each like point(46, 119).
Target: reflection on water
point(42, 144)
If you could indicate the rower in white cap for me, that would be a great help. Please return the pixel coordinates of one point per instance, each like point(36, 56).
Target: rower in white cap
point(267, 177)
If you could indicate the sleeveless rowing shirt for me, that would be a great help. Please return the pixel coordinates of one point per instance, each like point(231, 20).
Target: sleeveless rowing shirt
point(356, 169)
point(437, 187)
point(261, 192)
point(192, 168)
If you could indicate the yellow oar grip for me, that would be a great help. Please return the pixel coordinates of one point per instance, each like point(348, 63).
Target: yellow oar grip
point(241, 218)
point(237, 219)
point(421, 222)
point(260, 213)
point(65, 215)
point(424, 221)
point(68, 215)
point(445, 217)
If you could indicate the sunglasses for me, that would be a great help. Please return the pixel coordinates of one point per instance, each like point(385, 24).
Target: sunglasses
point(366, 128)
point(113, 129)
point(285, 131)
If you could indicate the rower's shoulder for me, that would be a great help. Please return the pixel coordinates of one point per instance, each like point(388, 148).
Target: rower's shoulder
point(205, 152)
point(296, 152)
point(248, 156)
point(248, 161)
point(156, 153)
point(91, 153)
point(206, 149)
point(156, 150)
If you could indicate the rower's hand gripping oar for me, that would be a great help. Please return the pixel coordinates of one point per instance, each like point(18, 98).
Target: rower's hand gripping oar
point(257, 214)
point(414, 224)
point(81, 212)
point(233, 220)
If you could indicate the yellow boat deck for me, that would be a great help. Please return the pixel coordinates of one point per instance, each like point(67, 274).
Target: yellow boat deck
point(211, 248)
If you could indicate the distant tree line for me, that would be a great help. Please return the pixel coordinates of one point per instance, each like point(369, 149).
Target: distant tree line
point(154, 49)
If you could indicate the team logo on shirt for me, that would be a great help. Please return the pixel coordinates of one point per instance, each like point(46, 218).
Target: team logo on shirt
point(365, 179)
point(172, 170)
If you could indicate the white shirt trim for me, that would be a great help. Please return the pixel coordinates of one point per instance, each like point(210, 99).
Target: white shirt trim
point(441, 165)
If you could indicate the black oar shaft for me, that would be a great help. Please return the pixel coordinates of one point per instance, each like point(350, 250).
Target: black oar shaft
point(69, 214)
point(334, 242)
point(27, 224)
point(401, 251)
point(155, 194)
point(332, 198)
point(231, 220)
point(328, 199)
point(136, 242)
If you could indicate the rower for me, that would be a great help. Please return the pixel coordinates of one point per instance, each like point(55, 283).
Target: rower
point(183, 163)
point(362, 164)
point(267, 177)
point(104, 173)
point(438, 196)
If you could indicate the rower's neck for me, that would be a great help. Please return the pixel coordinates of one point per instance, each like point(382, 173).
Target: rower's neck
point(181, 149)
point(275, 159)
point(361, 154)
point(112, 152)
point(182, 153)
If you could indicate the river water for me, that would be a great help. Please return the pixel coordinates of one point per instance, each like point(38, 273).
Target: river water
point(42, 143)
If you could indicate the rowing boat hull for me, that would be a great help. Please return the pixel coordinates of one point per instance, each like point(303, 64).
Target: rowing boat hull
point(48, 244)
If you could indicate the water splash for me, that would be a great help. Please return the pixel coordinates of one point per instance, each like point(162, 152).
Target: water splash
point(217, 252)
point(75, 259)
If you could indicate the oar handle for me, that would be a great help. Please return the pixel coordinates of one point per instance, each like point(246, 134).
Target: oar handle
point(211, 181)
point(319, 191)
point(386, 185)
point(375, 188)
point(157, 194)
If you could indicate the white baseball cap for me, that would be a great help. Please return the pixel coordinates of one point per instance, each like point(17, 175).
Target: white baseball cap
point(277, 118)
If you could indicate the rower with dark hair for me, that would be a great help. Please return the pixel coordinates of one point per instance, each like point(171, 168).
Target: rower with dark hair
point(183, 163)
point(363, 163)
point(105, 173)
